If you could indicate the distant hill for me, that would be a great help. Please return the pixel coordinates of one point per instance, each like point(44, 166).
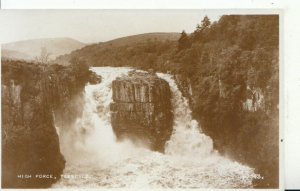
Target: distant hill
point(12, 54)
point(92, 52)
point(30, 49)
point(129, 40)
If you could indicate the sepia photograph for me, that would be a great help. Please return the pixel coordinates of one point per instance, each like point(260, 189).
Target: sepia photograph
point(134, 99)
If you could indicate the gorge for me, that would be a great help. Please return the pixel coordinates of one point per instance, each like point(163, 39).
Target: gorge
point(104, 162)
point(79, 146)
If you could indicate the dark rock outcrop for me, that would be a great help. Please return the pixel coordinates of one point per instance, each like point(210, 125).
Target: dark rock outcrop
point(94, 78)
point(31, 94)
point(142, 109)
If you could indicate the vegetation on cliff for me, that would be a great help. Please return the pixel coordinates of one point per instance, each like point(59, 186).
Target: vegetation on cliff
point(230, 64)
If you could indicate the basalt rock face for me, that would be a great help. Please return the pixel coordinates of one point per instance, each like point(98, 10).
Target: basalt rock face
point(31, 94)
point(141, 110)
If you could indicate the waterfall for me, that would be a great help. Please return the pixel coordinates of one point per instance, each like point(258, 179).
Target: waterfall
point(91, 139)
point(186, 139)
point(100, 161)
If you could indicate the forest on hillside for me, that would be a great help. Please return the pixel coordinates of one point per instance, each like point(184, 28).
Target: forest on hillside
point(227, 63)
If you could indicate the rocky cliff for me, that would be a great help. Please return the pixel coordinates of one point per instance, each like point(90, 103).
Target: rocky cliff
point(229, 114)
point(141, 109)
point(31, 94)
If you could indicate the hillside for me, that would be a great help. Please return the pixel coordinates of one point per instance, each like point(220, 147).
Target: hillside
point(231, 71)
point(104, 47)
point(12, 54)
point(30, 49)
point(130, 40)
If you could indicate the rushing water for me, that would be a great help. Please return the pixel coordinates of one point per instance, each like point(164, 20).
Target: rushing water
point(96, 160)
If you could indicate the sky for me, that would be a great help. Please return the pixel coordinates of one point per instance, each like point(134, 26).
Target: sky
point(90, 26)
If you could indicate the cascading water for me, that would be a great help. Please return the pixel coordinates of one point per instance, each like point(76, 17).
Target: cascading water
point(186, 139)
point(96, 160)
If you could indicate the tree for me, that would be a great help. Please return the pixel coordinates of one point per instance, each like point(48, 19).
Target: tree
point(44, 57)
point(205, 23)
point(184, 41)
point(80, 69)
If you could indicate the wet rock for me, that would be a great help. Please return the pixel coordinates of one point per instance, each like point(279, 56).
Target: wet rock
point(142, 109)
point(94, 78)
